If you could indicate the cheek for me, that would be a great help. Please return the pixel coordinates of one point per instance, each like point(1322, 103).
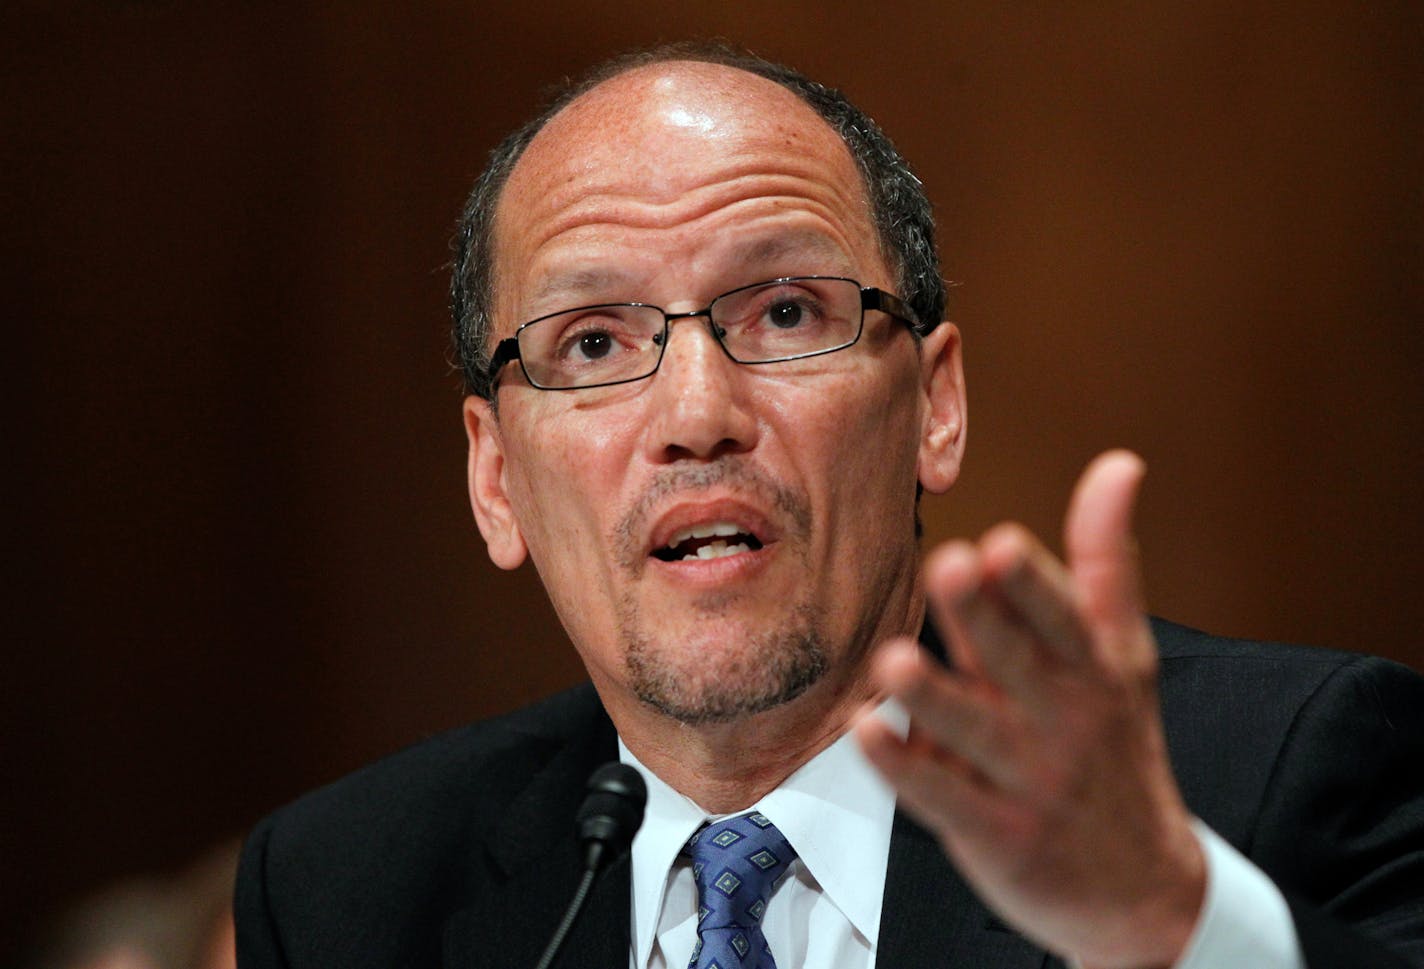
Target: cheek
point(872, 421)
point(871, 455)
point(565, 475)
point(549, 489)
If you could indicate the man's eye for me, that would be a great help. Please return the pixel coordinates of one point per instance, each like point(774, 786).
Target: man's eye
point(590, 342)
point(594, 344)
point(785, 315)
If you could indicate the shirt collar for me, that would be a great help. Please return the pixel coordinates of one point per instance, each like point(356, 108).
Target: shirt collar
point(669, 820)
point(836, 810)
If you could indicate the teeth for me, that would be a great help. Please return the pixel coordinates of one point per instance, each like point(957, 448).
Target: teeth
point(713, 530)
point(717, 550)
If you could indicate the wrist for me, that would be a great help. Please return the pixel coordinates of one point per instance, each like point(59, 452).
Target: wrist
point(1159, 925)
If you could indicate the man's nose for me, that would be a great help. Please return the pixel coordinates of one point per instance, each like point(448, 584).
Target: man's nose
point(701, 396)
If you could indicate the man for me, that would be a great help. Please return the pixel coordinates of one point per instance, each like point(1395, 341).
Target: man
point(700, 313)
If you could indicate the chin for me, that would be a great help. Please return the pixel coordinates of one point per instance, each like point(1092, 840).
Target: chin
point(719, 676)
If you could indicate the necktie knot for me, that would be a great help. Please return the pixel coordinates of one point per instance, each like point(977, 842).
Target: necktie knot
point(736, 864)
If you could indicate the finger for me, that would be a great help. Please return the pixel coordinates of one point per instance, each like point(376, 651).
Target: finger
point(952, 574)
point(1036, 586)
point(868, 725)
point(997, 645)
point(947, 712)
point(1102, 553)
point(945, 795)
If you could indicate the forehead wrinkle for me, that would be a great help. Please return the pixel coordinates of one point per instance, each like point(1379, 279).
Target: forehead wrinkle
point(581, 232)
point(634, 208)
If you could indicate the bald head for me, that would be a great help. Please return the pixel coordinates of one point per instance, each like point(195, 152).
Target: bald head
point(671, 99)
point(648, 115)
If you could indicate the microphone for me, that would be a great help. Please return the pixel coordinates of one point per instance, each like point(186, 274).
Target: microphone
point(610, 815)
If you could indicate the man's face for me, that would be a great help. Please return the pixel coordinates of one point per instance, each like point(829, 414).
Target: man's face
point(672, 185)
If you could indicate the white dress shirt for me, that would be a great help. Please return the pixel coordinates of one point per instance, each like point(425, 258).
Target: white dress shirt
point(837, 812)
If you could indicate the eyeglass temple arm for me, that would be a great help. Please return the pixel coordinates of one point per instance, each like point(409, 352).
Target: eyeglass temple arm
point(877, 299)
point(504, 351)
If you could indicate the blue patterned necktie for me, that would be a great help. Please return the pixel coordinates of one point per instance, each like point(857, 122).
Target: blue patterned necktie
point(736, 863)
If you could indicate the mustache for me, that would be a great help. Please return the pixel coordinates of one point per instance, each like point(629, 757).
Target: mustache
point(793, 506)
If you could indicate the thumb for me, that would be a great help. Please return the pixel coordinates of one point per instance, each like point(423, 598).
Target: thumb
point(1102, 553)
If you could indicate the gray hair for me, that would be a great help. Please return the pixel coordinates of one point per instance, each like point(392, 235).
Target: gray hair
point(899, 207)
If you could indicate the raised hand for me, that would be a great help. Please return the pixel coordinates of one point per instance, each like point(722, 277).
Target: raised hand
point(1039, 759)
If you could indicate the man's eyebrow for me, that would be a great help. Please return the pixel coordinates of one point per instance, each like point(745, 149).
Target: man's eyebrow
point(815, 253)
point(773, 248)
point(577, 281)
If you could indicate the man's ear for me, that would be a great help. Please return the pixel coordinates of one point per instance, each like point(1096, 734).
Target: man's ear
point(944, 430)
point(488, 496)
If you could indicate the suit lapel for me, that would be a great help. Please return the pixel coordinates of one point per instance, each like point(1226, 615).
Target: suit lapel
point(535, 865)
point(931, 918)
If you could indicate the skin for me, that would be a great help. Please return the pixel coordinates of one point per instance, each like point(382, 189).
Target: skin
point(718, 179)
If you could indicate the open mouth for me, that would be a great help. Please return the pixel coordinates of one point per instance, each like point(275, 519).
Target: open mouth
point(711, 541)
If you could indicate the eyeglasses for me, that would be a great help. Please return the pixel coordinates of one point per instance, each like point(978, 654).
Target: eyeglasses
point(771, 322)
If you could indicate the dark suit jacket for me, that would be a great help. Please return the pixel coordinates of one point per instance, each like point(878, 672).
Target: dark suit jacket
point(460, 851)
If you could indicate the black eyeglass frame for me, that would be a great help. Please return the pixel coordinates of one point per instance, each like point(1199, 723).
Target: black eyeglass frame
point(871, 298)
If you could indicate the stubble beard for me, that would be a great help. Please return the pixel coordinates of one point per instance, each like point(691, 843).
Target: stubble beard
point(762, 670)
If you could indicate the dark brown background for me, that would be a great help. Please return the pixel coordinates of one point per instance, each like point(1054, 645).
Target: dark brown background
point(243, 562)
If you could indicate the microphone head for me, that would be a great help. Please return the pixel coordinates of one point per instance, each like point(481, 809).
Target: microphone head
point(613, 810)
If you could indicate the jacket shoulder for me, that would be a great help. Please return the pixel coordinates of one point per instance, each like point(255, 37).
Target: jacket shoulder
point(399, 843)
point(1233, 709)
point(478, 766)
point(1256, 680)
